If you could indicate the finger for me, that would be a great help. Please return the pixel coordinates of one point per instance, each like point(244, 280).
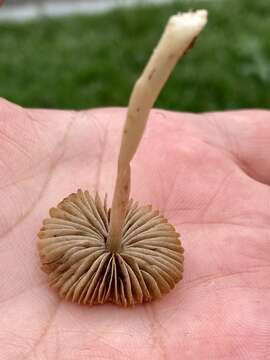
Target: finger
point(27, 149)
point(26, 137)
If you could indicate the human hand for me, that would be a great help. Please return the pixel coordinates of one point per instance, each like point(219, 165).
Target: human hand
point(209, 174)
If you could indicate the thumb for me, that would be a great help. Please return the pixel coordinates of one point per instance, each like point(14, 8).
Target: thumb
point(246, 135)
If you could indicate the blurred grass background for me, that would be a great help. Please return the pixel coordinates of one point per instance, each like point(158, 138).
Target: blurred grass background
point(92, 61)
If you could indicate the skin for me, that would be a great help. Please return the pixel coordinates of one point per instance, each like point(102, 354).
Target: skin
point(208, 173)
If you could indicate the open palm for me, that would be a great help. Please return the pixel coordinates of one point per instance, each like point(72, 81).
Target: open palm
point(209, 174)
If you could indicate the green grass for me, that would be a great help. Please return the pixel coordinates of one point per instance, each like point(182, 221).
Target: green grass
point(92, 61)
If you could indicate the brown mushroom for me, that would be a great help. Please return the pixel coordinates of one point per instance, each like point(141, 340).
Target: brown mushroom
point(128, 254)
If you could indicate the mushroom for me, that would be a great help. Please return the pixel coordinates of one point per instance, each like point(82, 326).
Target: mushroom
point(128, 254)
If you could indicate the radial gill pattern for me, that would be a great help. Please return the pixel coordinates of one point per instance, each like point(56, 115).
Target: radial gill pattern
point(74, 252)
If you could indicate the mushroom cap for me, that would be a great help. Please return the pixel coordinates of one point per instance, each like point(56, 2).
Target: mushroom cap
point(74, 252)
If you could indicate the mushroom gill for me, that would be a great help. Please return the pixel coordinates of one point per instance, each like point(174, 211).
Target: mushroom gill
point(74, 252)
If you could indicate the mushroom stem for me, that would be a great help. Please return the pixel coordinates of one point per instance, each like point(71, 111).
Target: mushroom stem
point(178, 37)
